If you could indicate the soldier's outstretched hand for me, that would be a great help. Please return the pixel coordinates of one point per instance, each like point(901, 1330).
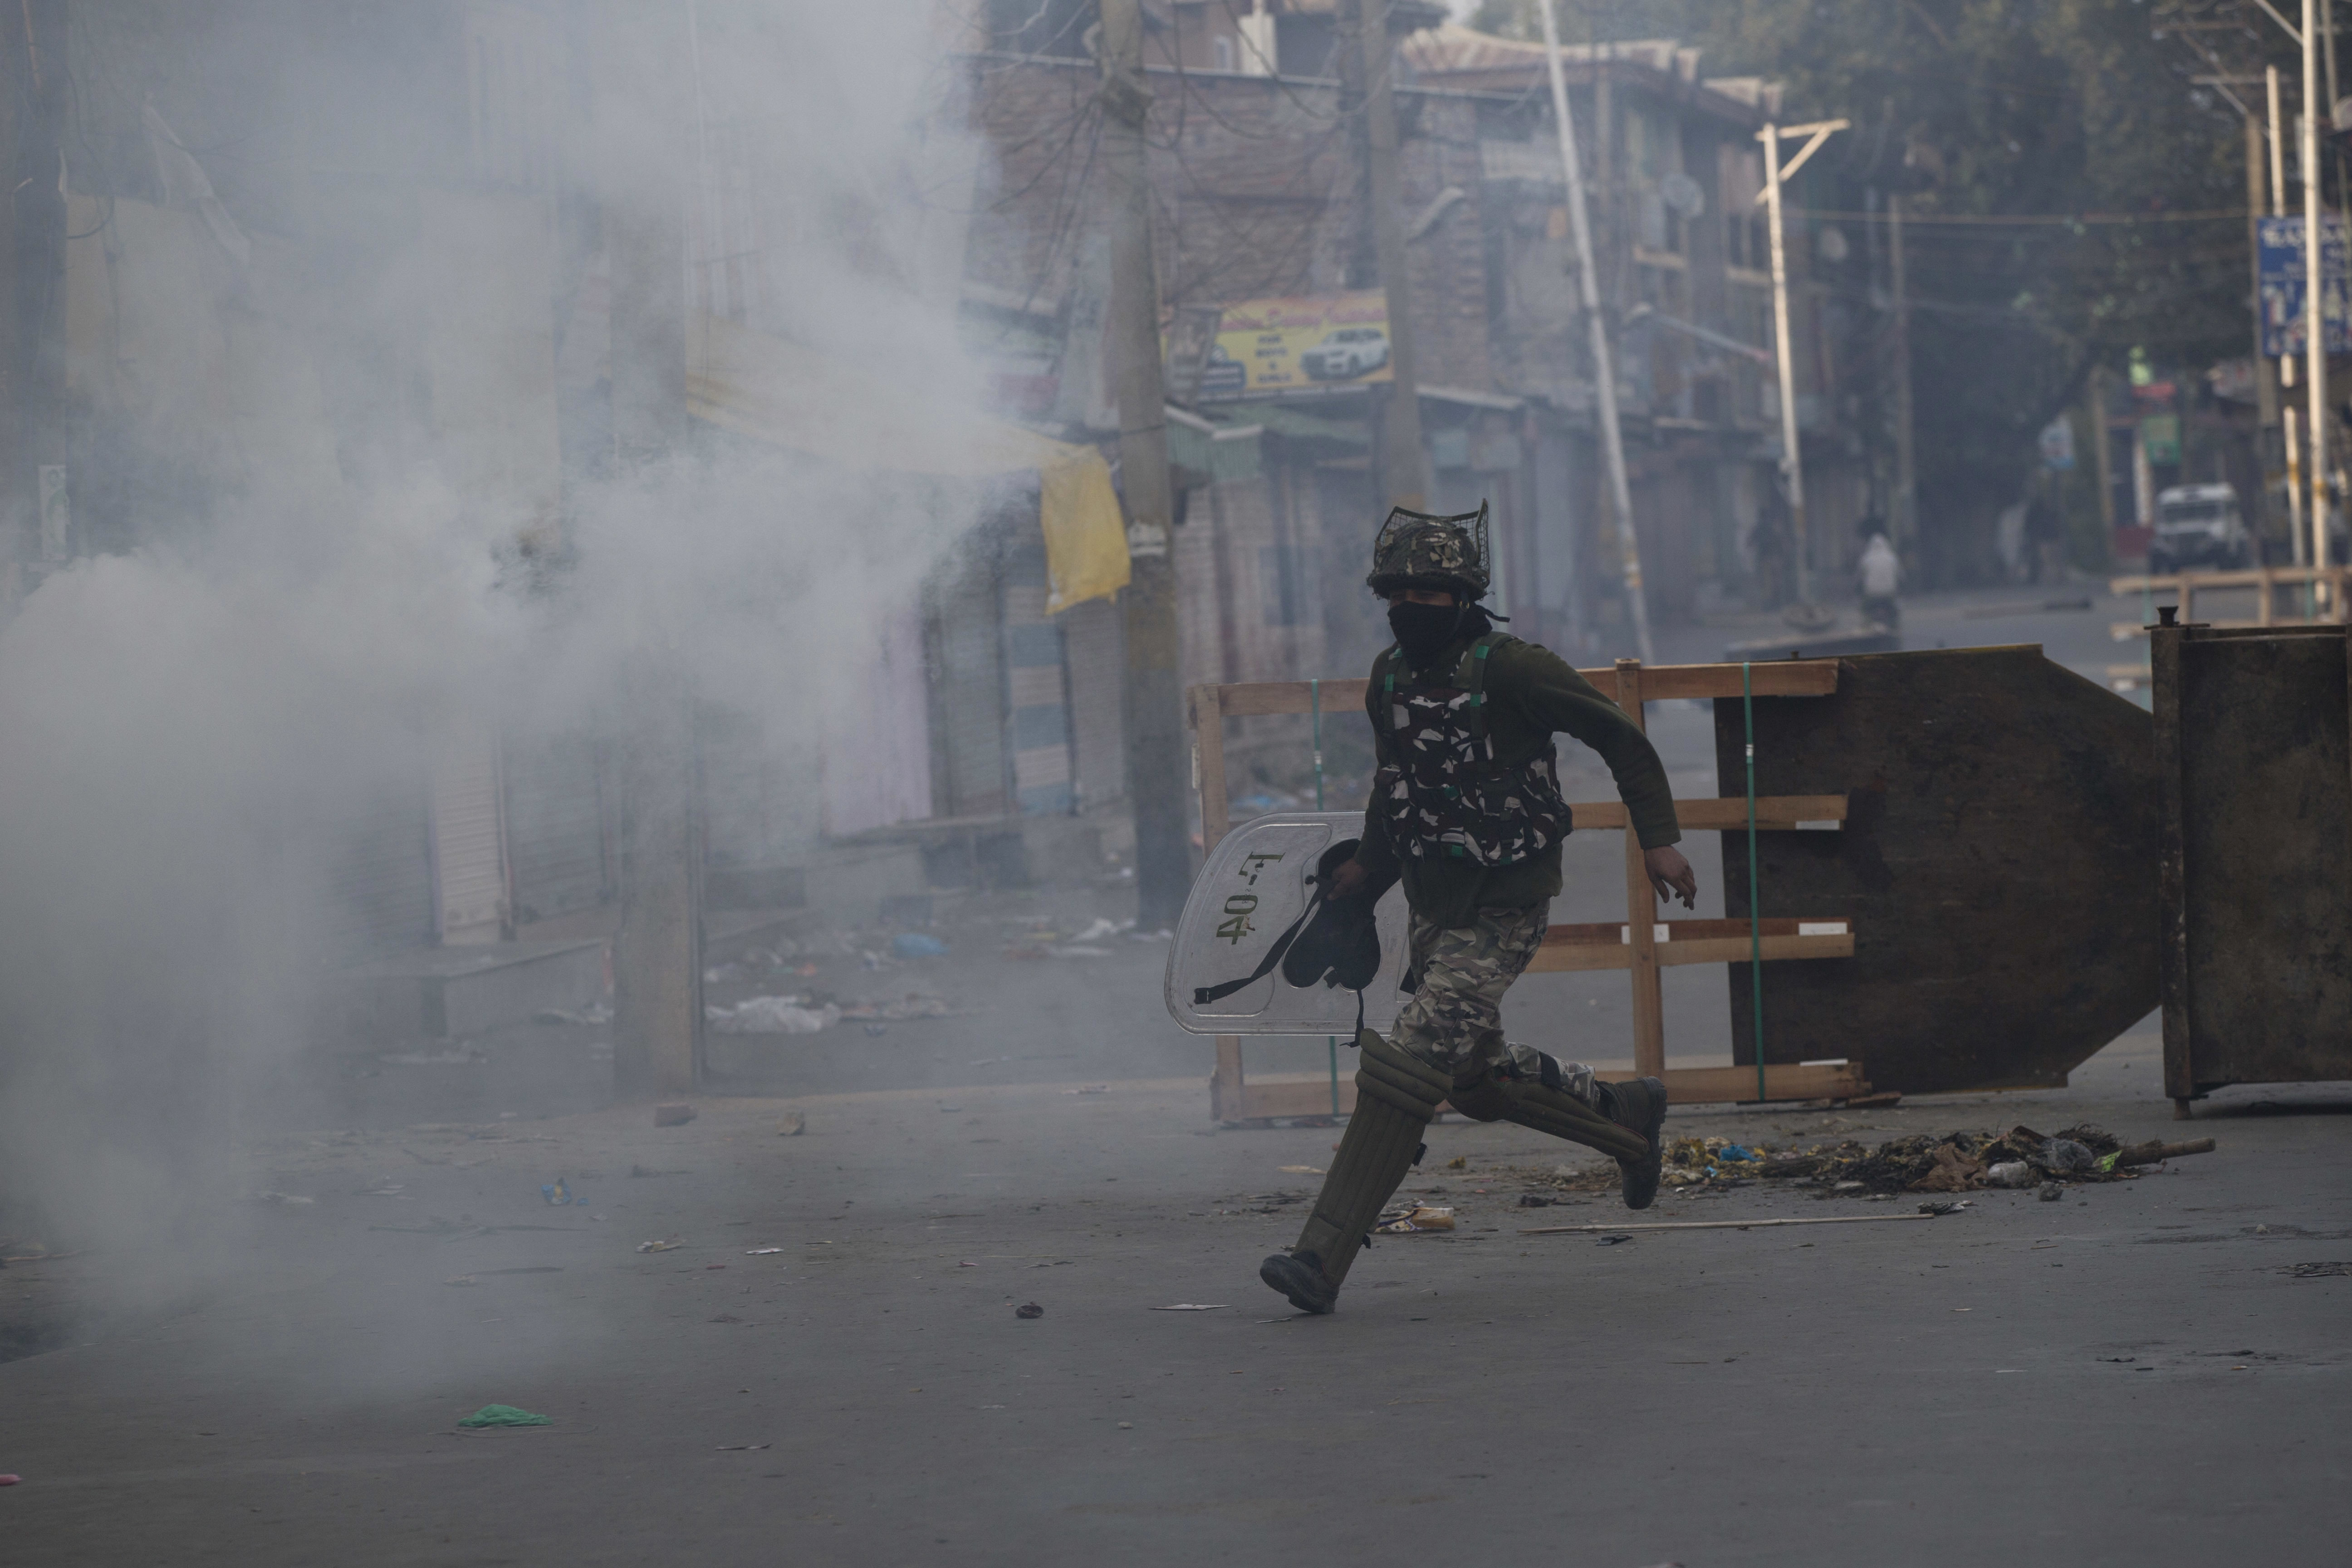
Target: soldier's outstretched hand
point(1671, 875)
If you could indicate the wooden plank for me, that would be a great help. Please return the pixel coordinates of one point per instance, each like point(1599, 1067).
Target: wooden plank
point(1290, 1097)
point(1206, 711)
point(2164, 704)
point(1779, 812)
point(1665, 682)
point(1772, 677)
point(2240, 577)
point(1640, 901)
point(1720, 1086)
point(1227, 1088)
point(1574, 956)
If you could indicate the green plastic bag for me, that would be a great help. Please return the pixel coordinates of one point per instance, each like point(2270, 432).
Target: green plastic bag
point(504, 1415)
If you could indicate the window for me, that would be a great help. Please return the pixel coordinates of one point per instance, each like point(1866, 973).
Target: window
point(1221, 49)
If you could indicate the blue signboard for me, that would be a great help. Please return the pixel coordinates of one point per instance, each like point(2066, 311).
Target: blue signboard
point(2283, 274)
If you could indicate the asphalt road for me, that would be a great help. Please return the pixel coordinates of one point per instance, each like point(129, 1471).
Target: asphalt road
point(2134, 1375)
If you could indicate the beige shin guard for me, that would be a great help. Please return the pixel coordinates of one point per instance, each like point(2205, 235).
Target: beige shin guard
point(1396, 1096)
point(1489, 1098)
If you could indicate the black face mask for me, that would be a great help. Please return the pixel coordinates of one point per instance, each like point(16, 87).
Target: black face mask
point(1424, 631)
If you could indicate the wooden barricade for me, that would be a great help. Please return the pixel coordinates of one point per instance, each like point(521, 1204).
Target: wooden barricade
point(1641, 945)
point(2330, 607)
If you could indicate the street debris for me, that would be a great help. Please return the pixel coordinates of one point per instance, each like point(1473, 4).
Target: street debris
point(773, 1015)
point(1090, 1089)
point(594, 1013)
point(1925, 1211)
point(913, 1004)
point(673, 1115)
point(792, 1124)
point(742, 1448)
point(918, 944)
point(275, 1197)
point(760, 1251)
point(558, 1193)
point(1302, 1170)
point(672, 1245)
point(2317, 1270)
point(1949, 1163)
point(504, 1415)
point(1611, 1239)
point(9, 1480)
point(1193, 1306)
point(1028, 1309)
point(1413, 1219)
point(2051, 1193)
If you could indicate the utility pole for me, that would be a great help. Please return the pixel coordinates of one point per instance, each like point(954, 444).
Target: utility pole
point(1793, 467)
point(2314, 286)
point(31, 366)
point(1604, 367)
point(1155, 735)
point(2266, 392)
point(2290, 447)
point(1402, 475)
point(1906, 452)
point(642, 109)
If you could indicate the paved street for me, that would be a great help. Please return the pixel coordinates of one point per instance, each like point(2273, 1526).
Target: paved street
point(2133, 1375)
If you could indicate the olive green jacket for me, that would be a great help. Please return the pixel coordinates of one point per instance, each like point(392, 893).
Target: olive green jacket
point(1532, 692)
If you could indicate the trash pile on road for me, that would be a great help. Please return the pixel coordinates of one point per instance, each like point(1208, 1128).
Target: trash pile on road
point(1948, 1162)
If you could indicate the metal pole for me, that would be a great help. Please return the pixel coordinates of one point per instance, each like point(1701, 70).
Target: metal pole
point(1906, 462)
point(1604, 375)
point(2315, 347)
point(1153, 703)
point(1402, 470)
point(1793, 467)
point(2291, 448)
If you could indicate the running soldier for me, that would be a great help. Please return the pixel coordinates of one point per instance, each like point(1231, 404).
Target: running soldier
point(1465, 808)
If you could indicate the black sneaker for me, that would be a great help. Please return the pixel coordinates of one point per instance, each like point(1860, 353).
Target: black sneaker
point(1299, 1276)
point(1641, 1104)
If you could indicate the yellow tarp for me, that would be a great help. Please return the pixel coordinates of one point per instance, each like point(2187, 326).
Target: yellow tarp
point(771, 390)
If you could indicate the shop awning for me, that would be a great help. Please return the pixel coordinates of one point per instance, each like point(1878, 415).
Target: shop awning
point(789, 395)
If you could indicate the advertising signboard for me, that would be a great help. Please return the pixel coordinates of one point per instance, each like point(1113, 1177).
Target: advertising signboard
point(2284, 312)
point(1324, 343)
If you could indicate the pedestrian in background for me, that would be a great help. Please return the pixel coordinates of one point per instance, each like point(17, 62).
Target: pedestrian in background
point(1882, 575)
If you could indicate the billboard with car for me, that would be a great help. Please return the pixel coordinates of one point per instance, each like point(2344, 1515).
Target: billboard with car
point(1316, 343)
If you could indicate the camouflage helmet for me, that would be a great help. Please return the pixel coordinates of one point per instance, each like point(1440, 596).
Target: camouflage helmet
point(1415, 550)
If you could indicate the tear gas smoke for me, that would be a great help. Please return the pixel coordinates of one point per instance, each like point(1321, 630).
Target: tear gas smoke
point(326, 371)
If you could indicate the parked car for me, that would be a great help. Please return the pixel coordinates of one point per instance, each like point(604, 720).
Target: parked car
point(2199, 525)
point(1346, 352)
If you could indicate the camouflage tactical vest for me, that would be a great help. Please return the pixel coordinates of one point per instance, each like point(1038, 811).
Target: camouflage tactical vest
point(1440, 790)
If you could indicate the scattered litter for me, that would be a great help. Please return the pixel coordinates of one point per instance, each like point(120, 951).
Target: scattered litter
point(1733, 1152)
point(2317, 1270)
point(714, 1266)
point(771, 1016)
point(504, 1415)
point(274, 1198)
point(760, 1251)
point(673, 1115)
point(670, 1245)
point(2154, 1154)
point(792, 1124)
point(2010, 1173)
point(2066, 1155)
point(1419, 1217)
point(1028, 1309)
point(913, 1004)
point(1104, 926)
point(1610, 1240)
point(1302, 1170)
point(558, 1193)
point(1090, 1089)
point(594, 1013)
point(918, 944)
point(1127, 1425)
point(1535, 1201)
point(966, 1266)
point(742, 1448)
point(389, 1190)
point(2052, 1192)
point(1193, 1306)
point(8, 1480)
point(1459, 1162)
point(1878, 1102)
point(1944, 1208)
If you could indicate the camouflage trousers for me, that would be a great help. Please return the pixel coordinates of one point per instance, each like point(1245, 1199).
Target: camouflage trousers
point(1453, 1020)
